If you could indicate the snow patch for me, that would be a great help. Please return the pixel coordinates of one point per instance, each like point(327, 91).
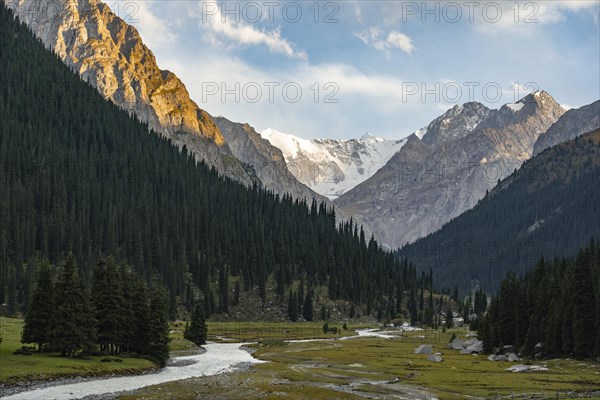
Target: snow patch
point(515, 106)
point(331, 167)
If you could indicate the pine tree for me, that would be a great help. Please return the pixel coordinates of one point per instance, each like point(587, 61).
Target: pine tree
point(197, 332)
point(40, 313)
point(140, 311)
point(307, 310)
point(236, 296)
point(111, 309)
point(73, 325)
point(292, 307)
point(158, 327)
point(449, 318)
point(584, 306)
point(224, 288)
point(12, 292)
point(332, 288)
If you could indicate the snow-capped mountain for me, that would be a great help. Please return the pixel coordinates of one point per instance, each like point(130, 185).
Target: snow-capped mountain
point(462, 155)
point(331, 167)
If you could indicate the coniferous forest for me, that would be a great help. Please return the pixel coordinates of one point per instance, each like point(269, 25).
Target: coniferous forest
point(552, 311)
point(549, 207)
point(79, 176)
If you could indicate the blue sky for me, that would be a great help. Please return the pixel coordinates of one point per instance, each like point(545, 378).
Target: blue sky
point(387, 67)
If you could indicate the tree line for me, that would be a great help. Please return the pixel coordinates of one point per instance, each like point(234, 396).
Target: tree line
point(117, 314)
point(553, 311)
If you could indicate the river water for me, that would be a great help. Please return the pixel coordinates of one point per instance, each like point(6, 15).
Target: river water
point(218, 358)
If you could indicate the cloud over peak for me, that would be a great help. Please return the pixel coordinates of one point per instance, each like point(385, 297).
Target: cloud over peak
point(375, 37)
point(240, 33)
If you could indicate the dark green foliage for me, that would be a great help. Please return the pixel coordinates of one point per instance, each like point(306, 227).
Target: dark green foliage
point(307, 309)
point(549, 207)
point(111, 309)
point(197, 331)
point(158, 326)
point(449, 318)
point(555, 305)
point(79, 175)
point(12, 292)
point(140, 315)
point(236, 293)
point(584, 303)
point(73, 324)
point(293, 306)
point(39, 316)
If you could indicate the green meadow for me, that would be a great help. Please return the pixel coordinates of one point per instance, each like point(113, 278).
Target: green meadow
point(382, 368)
point(15, 369)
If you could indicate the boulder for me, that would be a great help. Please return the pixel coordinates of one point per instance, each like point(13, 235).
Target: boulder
point(435, 358)
point(512, 357)
point(423, 349)
point(472, 346)
point(526, 368)
point(456, 344)
point(518, 368)
point(496, 357)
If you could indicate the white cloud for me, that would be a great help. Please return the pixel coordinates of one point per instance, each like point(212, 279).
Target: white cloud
point(400, 41)
point(357, 11)
point(240, 33)
point(525, 16)
point(374, 37)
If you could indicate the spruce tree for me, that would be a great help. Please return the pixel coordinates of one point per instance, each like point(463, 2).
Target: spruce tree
point(110, 306)
point(307, 310)
point(12, 292)
point(292, 307)
point(197, 332)
point(140, 311)
point(449, 318)
point(158, 326)
point(584, 306)
point(40, 313)
point(73, 325)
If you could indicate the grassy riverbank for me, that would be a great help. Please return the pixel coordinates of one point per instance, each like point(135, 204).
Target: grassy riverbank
point(383, 368)
point(21, 369)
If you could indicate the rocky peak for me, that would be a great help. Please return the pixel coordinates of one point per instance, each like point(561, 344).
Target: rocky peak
point(111, 56)
point(571, 124)
point(455, 123)
point(463, 154)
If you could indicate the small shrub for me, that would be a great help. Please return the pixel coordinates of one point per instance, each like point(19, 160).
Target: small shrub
point(23, 351)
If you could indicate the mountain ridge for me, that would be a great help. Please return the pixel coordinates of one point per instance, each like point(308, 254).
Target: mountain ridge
point(110, 55)
point(548, 207)
point(330, 167)
point(410, 199)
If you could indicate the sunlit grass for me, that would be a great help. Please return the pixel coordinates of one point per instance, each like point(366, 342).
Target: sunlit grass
point(352, 368)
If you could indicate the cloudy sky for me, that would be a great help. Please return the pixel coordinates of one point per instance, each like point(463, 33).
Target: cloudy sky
point(342, 68)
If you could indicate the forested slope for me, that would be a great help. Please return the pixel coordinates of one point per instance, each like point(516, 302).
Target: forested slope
point(549, 207)
point(80, 176)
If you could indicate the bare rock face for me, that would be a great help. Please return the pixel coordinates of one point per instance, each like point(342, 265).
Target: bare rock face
point(110, 55)
point(572, 124)
point(267, 160)
point(456, 123)
point(424, 186)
